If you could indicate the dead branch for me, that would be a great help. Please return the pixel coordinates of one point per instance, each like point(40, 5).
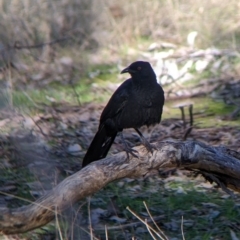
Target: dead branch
point(17, 45)
point(223, 165)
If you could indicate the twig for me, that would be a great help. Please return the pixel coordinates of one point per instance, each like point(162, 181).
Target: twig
point(149, 230)
point(150, 215)
point(10, 85)
point(18, 46)
point(29, 98)
point(89, 219)
point(57, 224)
point(40, 129)
point(73, 88)
point(182, 229)
point(75, 219)
point(144, 222)
point(122, 226)
point(106, 232)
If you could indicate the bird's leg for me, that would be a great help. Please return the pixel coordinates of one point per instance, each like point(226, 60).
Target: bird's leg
point(145, 142)
point(188, 131)
point(183, 116)
point(127, 148)
point(191, 114)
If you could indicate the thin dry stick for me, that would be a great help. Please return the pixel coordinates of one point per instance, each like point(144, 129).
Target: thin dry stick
point(72, 225)
point(115, 211)
point(106, 232)
point(150, 215)
point(182, 229)
point(134, 214)
point(31, 100)
point(18, 46)
point(57, 224)
point(26, 200)
point(89, 219)
point(38, 126)
point(73, 87)
point(120, 227)
point(149, 230)
point(76, 93)
point(75, 219)
point(10, 88)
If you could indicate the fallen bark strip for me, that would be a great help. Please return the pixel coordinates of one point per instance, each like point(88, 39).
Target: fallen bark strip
point(218, 162)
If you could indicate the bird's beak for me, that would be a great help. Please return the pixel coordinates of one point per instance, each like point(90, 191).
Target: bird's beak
point(127, 70)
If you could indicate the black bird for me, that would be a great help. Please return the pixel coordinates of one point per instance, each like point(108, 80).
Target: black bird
point(138, 101)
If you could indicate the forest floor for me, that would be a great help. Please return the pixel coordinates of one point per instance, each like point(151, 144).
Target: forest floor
point(43, 143)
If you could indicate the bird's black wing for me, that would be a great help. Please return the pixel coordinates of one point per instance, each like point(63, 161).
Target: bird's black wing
point(107, 130)
point(117, 102)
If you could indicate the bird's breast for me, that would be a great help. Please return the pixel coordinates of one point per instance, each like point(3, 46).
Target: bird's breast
point(141, 109)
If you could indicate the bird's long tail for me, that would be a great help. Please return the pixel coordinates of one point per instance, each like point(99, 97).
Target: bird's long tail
point(99, 146)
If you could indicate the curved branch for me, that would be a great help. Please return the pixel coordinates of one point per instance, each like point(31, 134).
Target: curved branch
point(215, 161)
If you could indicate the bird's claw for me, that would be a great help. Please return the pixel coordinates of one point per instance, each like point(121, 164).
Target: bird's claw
point(149, 146)
point(145, 142)
point(131, 151)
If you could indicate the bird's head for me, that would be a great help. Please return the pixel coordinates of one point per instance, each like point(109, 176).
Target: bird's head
point(138, 68)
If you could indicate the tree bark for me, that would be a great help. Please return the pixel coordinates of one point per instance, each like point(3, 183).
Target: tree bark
point(218, 164)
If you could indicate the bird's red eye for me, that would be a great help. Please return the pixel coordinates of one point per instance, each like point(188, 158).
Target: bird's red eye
point(139, 68)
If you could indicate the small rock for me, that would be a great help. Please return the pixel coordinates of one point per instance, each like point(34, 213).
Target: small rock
point(191, 38)
point(84, 117)
point(210, 205)
point(38, 193)
point(118, 219)
point(96, 215)
point(120, 184)
point(28, 122)
point(213, 214)
point(180, 190)
point(35, 185)
point(67, 61)
point(140, 230)
point(37, 77)
point(10, 188)
point(9, 198)
point(153, 46)
point(64, 126)
point(74, 149)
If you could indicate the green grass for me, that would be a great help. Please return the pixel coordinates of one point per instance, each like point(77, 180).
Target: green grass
point(85, 90)
point(19, 177)
point(207, 112)
point(173, 205)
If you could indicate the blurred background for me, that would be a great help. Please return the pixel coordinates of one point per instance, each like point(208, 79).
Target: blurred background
point(59, 64)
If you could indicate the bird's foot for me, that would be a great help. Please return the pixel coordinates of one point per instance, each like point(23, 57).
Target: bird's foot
point(131, 151)
point(148, 145)
point(145, 142)
point(128, 149)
